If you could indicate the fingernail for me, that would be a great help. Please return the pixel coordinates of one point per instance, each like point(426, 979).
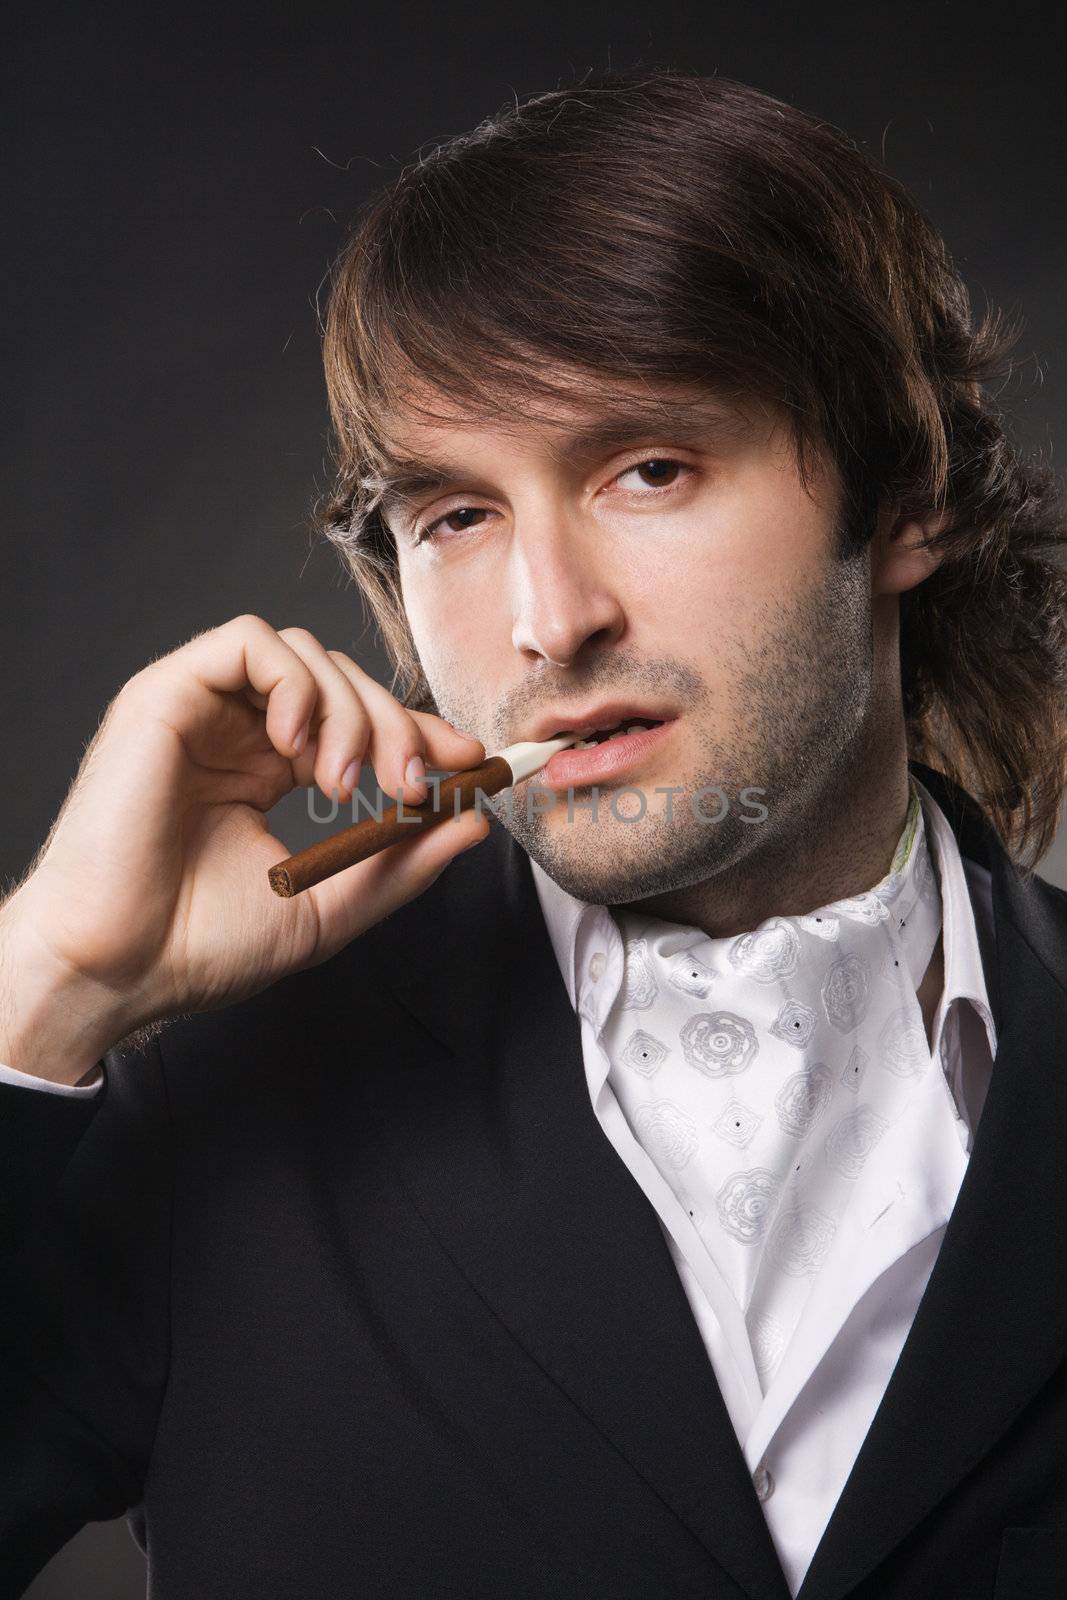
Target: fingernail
point(349, 775)
point(415, 773)
point(301, 738)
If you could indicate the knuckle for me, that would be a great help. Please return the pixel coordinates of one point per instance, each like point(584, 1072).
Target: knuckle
point(297, 670)
point(132, 684)
point(150, 693)
point(397, 728)
point(346, 666)
point(297, 635)
point(140, 686)
point(249, 622)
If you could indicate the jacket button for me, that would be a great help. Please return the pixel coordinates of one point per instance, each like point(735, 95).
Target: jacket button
point(597, 963)
point(762, 1482)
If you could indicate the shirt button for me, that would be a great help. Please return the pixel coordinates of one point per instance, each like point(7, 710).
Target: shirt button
point(762, 1482)
point(597, 963)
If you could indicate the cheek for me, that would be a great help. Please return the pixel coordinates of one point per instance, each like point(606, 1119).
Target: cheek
point(455, 629)
point(760, 541)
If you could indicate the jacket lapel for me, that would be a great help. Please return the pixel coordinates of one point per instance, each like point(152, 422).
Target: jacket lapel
point(501, 1151)
point(992, 1324)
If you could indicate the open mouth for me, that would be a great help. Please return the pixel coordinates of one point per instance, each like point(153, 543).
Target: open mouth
point(604, 754)
point(619, 731)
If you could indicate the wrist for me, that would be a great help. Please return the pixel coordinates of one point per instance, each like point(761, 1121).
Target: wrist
point(54, 1023)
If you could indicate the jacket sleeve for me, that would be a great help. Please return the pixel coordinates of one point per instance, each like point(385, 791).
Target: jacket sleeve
point(85, 1220)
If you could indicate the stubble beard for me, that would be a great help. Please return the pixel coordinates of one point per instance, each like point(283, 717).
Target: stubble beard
point(775, 724)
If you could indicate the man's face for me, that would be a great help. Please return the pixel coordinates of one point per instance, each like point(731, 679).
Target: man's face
point(682, 575)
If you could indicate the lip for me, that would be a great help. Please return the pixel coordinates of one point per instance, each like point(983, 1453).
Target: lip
point(592, 718)
point(570, 769)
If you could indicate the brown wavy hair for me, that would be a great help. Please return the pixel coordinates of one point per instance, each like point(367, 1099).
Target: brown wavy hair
point(657, 227)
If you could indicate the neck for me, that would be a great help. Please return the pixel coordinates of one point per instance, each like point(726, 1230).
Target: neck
point(839, 844)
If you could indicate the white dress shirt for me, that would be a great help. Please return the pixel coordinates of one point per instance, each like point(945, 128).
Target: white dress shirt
point(26, 1080)
point(801, 1437)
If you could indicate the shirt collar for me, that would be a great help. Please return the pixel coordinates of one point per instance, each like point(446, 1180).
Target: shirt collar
point(580, 930)
point(964, 970)
point(571, 923)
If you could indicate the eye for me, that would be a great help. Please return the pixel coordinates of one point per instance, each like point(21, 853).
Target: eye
point(429, 532)
point(662, 471)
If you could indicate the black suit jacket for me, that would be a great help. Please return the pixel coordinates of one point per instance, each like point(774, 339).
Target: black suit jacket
point(343, 1292)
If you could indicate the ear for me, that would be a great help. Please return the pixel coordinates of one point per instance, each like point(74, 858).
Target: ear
point(898, 559)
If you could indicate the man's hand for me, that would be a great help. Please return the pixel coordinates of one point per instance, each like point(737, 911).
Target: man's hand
point(150, 897)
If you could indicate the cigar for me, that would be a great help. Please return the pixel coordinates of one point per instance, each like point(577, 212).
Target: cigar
point(455, 794)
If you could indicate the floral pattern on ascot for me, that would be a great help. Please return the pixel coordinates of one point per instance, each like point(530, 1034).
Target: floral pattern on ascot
point(759, 1071)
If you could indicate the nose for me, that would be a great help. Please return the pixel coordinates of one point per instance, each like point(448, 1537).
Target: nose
point(564, 597)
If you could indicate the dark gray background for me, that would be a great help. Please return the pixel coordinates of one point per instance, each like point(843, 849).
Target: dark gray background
point(181, 181)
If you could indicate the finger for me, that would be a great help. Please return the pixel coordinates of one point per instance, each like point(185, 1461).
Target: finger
point(341, 728)
point(399, 735)
point(449, 746)
point(244, 652)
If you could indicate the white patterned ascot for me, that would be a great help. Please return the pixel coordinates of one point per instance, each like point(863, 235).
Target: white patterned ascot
point(758, 1072)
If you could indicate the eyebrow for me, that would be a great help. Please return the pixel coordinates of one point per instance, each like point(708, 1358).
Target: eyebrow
point(696, 423)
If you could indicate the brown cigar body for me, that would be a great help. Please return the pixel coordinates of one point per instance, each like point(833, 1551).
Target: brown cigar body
point(455, 794)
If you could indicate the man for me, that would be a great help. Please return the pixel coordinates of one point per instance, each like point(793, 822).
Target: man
point(665, 1200)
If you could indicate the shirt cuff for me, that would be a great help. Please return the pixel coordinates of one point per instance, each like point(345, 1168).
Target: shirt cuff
point(26, 1080)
